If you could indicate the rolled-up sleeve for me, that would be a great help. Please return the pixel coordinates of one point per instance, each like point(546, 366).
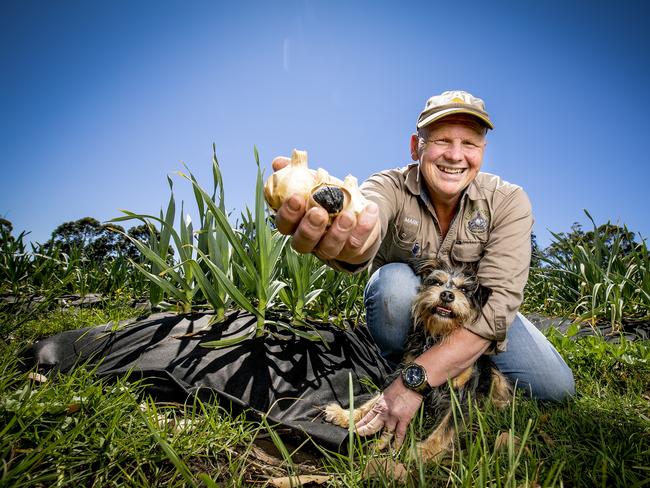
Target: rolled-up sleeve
point(504, 267)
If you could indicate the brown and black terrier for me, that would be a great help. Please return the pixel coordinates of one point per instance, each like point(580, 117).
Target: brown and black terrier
point(448, 298)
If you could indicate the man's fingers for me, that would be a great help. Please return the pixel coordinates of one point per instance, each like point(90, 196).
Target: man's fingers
point(375, 424)
point(289, 214)
point(400, 435)
point(366, 418)
point(331, 244)
point(310, 230)
point(280, 162)
point(390, 425)
point(364, 227)
point(375, 411)
point(364, 234)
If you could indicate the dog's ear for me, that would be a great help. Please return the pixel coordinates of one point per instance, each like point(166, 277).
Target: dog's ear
point(470, 269)
point(425, 266)
point(481, 295)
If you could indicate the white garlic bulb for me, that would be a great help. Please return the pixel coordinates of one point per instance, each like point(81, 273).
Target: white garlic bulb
point(318, 188)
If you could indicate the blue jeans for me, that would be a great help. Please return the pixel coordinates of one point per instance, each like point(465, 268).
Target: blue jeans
point(530, 362)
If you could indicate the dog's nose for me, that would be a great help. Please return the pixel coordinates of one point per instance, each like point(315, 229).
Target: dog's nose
point(447, 296)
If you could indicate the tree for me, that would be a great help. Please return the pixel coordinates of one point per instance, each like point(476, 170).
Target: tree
point(5, 230)
point(536, 253)
point(95, 240)
point(101, 242)
point(6, 225)
point(605, 238)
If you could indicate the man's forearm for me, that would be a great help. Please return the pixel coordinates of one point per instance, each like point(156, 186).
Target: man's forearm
point(451, 357)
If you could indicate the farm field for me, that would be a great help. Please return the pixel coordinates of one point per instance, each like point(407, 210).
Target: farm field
point(79, 430)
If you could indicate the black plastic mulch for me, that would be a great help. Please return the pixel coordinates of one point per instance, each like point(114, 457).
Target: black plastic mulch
point(288, 377)
point(631, 329)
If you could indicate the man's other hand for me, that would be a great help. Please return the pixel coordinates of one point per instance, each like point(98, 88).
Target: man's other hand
point(391, 414)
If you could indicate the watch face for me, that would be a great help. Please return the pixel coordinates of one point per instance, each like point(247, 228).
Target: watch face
point(413, 376)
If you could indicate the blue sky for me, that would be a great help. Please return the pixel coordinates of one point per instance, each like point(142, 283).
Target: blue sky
point(101, 100)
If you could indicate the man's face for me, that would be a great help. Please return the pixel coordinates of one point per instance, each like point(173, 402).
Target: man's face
point(450, 156)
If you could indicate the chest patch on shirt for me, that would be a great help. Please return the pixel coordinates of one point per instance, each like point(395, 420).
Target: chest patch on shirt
point(411, 222)
point(478, 221)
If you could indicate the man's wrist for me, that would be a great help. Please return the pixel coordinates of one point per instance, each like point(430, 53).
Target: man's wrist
point(414, 377)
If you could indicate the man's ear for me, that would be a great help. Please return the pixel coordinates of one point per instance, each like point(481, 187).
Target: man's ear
point(415, 142)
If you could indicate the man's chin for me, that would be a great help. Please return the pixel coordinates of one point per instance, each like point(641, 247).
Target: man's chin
point(449, 189)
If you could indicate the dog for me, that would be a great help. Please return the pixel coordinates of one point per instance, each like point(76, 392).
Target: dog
point(448, 298)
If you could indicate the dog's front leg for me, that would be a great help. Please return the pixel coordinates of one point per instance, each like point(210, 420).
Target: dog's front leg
point(439, 441)
point(337, 415)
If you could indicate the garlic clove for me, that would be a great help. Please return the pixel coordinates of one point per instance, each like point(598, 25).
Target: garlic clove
point(357, 200)
point(294, 178)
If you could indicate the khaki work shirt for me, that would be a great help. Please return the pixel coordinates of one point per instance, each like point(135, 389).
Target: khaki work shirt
point(491, 230)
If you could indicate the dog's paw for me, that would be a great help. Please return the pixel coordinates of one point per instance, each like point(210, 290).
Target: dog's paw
point(337, 415)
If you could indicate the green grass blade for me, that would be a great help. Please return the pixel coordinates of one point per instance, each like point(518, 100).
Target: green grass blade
point(162, 283)
point(230, 341)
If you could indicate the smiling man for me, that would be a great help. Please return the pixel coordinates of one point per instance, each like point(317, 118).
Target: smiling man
point(440, 206)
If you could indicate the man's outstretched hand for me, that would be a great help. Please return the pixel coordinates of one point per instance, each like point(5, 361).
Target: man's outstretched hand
point(350, 239)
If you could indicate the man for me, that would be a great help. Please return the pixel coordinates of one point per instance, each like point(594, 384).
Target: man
point(441, 206)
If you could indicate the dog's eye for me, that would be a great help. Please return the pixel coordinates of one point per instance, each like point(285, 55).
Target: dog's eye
point(467, 289)
point(435, 282)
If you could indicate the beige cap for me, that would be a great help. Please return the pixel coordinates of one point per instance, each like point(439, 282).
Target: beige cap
point(453, 102)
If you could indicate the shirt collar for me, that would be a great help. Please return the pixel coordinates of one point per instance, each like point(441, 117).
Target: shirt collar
point(412, 178)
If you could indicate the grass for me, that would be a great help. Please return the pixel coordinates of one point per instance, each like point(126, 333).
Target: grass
point(78, 430)
point(60, 319)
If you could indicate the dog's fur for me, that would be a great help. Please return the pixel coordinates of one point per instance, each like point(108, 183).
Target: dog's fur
point(448, 298)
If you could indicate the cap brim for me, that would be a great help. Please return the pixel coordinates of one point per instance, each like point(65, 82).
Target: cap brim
point(449, 111)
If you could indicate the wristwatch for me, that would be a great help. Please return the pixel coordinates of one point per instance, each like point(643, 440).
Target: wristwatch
point(414, 377)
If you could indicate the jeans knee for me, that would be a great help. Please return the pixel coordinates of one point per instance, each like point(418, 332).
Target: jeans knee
point(558, 388)
point(563, 388)
point(388, 297)
point(534, 364)
point(394, 280)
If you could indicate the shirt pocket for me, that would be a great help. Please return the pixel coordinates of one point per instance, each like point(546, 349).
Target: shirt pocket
point(406, 244)
point(467, 251)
